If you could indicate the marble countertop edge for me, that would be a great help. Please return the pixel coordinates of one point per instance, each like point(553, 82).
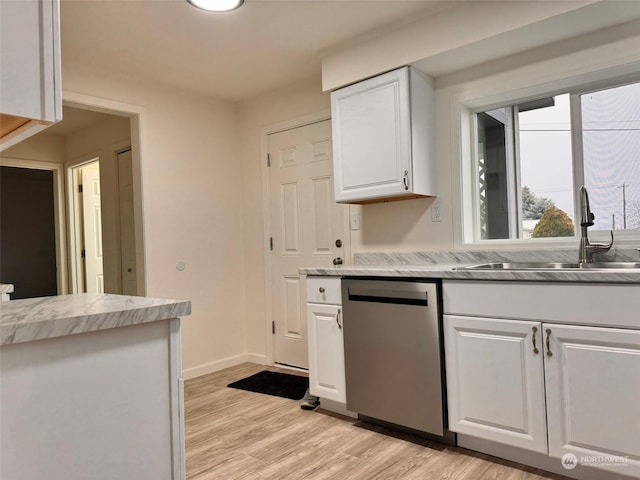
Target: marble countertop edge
point(456, 272)
point(49, 317)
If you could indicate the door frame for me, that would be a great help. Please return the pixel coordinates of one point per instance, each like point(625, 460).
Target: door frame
point(290, 124)
point(137, 117)
point(62, 272)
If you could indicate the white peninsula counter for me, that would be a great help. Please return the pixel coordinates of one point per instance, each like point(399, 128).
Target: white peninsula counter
point(91, 387)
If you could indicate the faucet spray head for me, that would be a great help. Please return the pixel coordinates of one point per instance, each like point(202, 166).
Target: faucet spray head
point(586, 217)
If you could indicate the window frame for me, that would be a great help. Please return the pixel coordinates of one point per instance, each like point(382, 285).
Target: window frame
point(471, 165)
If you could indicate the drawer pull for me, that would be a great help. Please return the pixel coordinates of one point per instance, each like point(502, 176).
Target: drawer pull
point(533, 339)
point(548, 348)
point(338, 320)
point(321, 289)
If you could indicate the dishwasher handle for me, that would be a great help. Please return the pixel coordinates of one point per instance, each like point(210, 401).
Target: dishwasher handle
point(363, 293)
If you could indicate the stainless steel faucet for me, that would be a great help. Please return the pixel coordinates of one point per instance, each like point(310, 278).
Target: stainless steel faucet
point(587, 249)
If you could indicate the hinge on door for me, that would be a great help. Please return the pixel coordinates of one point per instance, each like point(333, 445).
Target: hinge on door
point(268, 160)
point(271, 243)
point(83, 253)
point(80, 188)
point(273, 327)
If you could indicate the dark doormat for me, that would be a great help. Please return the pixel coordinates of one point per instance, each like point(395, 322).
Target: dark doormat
point(274, 383)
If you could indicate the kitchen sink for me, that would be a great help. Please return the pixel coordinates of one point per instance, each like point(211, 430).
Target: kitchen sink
point(555, 266)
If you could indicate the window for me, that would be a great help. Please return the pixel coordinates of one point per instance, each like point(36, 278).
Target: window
point(532, 158)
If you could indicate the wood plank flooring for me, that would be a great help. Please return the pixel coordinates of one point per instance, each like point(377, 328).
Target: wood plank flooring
point(237, 435)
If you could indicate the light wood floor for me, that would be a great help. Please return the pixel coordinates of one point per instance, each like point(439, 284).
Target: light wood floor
point(233, 434)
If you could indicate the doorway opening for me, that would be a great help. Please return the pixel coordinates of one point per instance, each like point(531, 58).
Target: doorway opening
point(86, 226)
point(28, 244)
point(92, 129)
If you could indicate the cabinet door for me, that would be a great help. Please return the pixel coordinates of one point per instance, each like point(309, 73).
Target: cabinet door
point(326, 352)
point(372, 138)
point(495, 383)
point(593, 394)
point(30, 55)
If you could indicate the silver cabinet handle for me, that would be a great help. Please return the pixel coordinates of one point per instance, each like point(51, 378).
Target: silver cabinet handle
point(548, 348)
point(321, 289)
point(533, 339)
point(338, 320)
point(405, 180)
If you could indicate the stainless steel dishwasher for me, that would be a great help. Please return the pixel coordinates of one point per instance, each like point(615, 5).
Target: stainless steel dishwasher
point(393, 354)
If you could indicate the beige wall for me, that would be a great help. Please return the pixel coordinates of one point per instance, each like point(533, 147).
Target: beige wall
point(254, 117)
point(192, 191)
point(463, 34)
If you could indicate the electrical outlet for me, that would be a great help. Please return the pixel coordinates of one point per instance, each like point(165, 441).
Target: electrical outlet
point(355, 221)
point(436, 211)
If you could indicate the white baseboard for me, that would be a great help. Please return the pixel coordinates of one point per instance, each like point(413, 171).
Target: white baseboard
point(257, 358)
point(223, 363)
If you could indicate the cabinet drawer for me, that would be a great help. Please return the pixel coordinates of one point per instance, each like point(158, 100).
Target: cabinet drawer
point(324, 290)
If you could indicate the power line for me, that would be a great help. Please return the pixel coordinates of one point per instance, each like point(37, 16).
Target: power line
point(584, 130)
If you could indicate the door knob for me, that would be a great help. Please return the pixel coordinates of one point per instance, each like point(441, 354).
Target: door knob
point(337, 261)
point(338, 243)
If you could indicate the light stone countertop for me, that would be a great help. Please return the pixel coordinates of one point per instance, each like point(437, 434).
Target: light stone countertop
point(447, 264)
point(6, 288)
point(47, 317)
point(453, 272)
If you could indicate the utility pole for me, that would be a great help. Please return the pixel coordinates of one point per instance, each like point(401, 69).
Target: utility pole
point(613, 219)
point(624, 204)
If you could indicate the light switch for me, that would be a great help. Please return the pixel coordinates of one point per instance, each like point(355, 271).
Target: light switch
point(355, 221)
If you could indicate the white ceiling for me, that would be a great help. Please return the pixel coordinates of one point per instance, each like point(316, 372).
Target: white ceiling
point(264, 45)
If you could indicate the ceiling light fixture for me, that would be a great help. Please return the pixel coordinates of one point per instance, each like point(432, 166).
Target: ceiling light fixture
point(216, 5)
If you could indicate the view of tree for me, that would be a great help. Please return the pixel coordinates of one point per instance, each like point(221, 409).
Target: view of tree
point(554, 223)
point(534, 206)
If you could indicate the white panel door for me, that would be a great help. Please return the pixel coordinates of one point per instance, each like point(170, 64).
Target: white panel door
point(306, 223)
point(92, 223)
point(495, 383)
point(593, 394)
point(326, 355)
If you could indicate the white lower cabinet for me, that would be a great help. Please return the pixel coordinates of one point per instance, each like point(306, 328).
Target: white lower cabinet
point(545, 387)
point(326, 345)
point(495, 380)
point(593, 395)
point(326, 352)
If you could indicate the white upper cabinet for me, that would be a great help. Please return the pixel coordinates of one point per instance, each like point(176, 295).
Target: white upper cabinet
point(30, 85)
point(383, 137)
